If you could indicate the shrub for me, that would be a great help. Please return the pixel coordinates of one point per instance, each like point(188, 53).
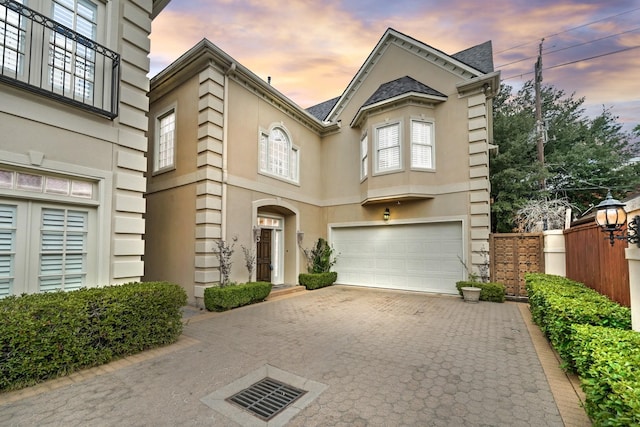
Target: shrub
point(321, 258)
point(228, 297)
point(494, 292)
point(606, 360)
point(317, 280)
point(557, 303)
point(44, 336)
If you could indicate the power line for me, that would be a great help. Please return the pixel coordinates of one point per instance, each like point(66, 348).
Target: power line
point(570, 29)
point(575, 62)
point(570, 47)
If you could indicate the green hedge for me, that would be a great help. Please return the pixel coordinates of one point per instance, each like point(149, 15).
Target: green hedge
point(607, 362)
point(317, 280)
point(44, 336)
point(557, 303)
point(494, 292)
point(228, 297)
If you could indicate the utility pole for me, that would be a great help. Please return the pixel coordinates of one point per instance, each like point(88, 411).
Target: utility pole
point(540, 133)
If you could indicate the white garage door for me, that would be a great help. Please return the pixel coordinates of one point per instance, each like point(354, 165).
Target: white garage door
point(417, 257)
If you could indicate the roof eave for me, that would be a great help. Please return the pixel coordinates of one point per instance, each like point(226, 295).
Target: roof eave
point(405, 96)
point(489, 84)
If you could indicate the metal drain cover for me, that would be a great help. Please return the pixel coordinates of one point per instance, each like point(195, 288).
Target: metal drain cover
point(266, 398)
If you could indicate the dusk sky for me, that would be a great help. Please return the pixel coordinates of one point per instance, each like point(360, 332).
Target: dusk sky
point(312, 49)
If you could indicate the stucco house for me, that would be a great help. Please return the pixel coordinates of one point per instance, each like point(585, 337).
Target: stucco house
point(231, 157)
point(73, 123)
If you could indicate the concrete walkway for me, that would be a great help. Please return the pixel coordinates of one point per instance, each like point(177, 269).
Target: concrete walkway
point(366, 357)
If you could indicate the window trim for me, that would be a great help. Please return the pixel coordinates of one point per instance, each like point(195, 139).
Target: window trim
point(364, 157)
point(172, 109)
point(432, 124)
point(264, 151)
point(377, 170)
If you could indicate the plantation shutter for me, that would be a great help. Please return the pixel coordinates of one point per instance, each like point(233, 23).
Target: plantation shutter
point(389, 147)
point(63, 250)
point(421, 145)
point(7, 248)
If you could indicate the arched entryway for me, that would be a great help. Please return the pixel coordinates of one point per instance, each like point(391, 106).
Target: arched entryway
point(277, 256)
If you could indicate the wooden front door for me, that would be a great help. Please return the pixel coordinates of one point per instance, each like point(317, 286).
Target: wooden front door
point(263, 256)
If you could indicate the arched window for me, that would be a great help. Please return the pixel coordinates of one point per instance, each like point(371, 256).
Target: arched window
point(278, 156)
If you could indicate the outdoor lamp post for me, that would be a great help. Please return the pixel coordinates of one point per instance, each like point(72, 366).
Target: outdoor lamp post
point(611, 217)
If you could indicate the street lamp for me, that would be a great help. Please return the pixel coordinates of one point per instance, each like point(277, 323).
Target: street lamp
point(611, 216)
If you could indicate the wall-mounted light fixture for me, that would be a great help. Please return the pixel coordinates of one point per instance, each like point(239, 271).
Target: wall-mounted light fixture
point(386, 214)
point(300, 236)
point(611, 216)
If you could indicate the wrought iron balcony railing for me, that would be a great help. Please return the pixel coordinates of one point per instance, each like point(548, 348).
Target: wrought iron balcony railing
point(43, 56)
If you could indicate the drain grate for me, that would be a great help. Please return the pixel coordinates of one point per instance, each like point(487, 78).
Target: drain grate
point(266, 398)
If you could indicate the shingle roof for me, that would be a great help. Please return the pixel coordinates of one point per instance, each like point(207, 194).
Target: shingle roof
point(321, 111)
point(399, 87)
point(479, 57)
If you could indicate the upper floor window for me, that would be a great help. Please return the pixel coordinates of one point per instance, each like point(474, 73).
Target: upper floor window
point(422, 149)
point(364, 157)
point(387, 146)
point(278, 156)
point(72, 63)
point(164, 144)
point(51, 47)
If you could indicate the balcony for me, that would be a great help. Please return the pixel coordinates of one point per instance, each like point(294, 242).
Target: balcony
point(45, 57)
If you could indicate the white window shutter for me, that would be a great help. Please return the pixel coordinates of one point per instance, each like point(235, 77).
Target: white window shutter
point(421, 145)
point(7, 248)
point(63, 250)
point(388, 147)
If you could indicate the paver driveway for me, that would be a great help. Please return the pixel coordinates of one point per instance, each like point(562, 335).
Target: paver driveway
point(384, 358)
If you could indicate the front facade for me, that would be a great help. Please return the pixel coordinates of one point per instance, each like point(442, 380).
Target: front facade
point(230, 157)
point(73, 122)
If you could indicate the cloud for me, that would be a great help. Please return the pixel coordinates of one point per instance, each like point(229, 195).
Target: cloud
point(312, 49)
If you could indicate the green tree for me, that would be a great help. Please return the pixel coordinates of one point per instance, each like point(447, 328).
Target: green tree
point(583, 156)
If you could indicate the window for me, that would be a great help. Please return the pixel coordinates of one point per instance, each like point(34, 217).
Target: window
point(72, 63)
point(165, 141)
point(388, 148)
point(46, 247)
point(278, 156)
point(12, 41)
point(364, 156)
point(63, 249)
point(7, 248)
point(422, 145)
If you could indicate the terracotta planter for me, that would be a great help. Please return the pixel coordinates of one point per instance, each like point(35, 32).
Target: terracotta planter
point(471, 294)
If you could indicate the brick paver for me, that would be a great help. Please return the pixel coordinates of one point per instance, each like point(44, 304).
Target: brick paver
point(388, 358)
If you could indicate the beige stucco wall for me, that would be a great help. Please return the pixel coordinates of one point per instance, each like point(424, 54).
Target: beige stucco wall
point(48, 137)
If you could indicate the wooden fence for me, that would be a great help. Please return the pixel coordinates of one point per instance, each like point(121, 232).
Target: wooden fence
point(594, 262)
point(512, 256)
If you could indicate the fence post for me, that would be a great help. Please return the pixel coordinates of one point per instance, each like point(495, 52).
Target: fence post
point(633, 257)
point(555, 261)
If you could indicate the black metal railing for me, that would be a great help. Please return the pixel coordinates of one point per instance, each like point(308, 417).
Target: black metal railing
point(43, 56)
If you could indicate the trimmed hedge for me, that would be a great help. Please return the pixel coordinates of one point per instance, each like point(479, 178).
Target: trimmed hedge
point(607, 362)
point(232, 296)
point(557, 303)
point(494, 292)
point(44, 336)
point(317, 280)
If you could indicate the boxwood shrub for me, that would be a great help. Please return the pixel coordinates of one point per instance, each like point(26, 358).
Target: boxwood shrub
point(557, 303)
point(228, 297)
point(317, 280)
point(607, 361)
point(44, 336)
point(494, 292)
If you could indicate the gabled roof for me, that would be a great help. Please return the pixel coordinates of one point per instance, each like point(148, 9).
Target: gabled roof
point(398, 87)
point(480, 57)
point(320, 111)
point(479, 60)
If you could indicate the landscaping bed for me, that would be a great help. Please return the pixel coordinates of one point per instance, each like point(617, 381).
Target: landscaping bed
point(592, 335)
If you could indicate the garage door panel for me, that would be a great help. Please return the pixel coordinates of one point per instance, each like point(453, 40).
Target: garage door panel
point(423, 257)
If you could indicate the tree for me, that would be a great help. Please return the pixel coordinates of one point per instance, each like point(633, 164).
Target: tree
point(583, 157)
